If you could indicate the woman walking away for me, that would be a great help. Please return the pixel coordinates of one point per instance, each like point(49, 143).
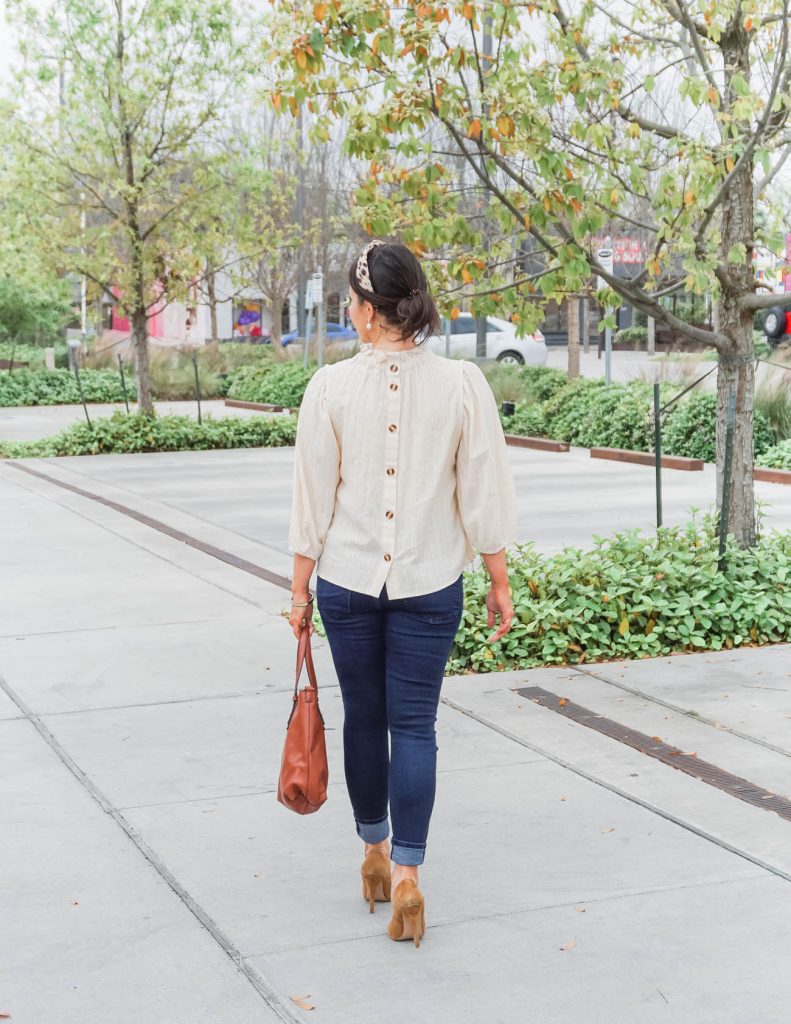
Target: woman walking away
point(401, 473)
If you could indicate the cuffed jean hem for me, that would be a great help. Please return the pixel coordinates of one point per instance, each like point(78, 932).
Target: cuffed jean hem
point(405, 854)
point(373, 831)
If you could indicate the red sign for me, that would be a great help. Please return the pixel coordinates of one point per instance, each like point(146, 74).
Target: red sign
point(624, 250)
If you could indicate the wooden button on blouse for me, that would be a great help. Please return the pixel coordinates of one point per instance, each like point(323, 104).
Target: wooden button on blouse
point(390, 471)
point(389, 515)
point(394, 367)
point(394, 387)
point(392, 427)
point(387, 558)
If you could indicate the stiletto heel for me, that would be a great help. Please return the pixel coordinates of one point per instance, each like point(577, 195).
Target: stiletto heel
point(376, 878)
point(409, 913)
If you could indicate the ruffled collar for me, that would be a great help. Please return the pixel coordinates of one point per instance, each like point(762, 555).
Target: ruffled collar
point(369, 352)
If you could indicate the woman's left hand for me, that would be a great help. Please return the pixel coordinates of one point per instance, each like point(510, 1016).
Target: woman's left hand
point(301, 617)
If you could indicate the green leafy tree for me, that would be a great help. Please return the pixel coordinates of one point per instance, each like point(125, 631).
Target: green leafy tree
point(117, 109)
point(668, 121)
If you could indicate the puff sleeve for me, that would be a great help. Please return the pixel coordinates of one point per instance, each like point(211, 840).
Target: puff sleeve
point(485, 487)
point(317, 459)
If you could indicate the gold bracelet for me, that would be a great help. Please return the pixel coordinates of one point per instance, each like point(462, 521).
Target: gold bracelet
point(303, 604)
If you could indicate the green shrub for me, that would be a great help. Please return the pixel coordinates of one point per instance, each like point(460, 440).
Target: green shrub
point(778, 457)
point(528, 421)
point(33, 355)
point(632, 335)
point(276, 384)
point(137, 432)
point(56, 387)
point(631, 596)
point(690, 429)
point(542, 382)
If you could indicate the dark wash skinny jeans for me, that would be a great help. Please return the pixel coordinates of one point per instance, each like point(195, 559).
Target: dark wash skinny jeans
point(390, 658)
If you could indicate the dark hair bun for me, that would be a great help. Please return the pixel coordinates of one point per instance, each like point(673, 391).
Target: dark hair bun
point(400, 290)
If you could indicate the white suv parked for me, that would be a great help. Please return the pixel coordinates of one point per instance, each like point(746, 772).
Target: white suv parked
point(502, 343)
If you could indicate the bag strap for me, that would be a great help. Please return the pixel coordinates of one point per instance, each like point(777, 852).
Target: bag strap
point(304, 654)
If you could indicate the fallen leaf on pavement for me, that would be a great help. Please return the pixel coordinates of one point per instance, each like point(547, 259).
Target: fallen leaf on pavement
point(300, 1001)
point(569, 945)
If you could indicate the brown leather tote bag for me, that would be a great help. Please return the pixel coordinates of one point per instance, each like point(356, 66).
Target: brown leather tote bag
point(302, 786)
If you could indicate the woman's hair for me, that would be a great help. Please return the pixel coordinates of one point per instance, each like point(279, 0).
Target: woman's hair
point(398, 288)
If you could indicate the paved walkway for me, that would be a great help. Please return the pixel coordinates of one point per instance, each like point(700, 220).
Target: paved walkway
point(150, 873)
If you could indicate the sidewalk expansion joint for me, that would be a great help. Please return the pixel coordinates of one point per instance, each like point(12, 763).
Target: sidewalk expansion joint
point(156, 524)
point(703, 719)
point(281, 1009)
point(690, 764)
point(653, 808)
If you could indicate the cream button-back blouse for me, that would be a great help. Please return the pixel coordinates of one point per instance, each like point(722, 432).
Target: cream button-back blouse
point(401, 471)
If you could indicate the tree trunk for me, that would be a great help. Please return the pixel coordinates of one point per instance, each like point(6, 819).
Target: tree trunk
point(145, 400)
point(277, 318)
point(735, 361)
point(573, 320)
point(211, 291)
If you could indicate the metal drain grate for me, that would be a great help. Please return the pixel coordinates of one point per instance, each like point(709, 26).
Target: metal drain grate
point(690, 765)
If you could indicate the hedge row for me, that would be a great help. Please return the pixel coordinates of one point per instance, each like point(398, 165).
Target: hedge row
point(59, 387)
point(137, 432)
point(274, 383)
point(587, 413)
point(631, 596)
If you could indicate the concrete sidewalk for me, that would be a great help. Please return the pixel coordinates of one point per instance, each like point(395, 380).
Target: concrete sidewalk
point(151, 874)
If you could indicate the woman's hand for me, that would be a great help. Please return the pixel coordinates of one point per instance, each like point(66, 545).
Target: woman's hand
point(301, 616)
point(498, 602)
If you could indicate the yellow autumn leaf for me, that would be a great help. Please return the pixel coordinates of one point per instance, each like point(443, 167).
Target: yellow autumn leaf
point(466, 276)
point(375, 45)
point(319, 10)
point(474, 131)
point(505, 125)
point(614, 196)
point(454, 313)
point(623, 625)
point(713, 95)
point(527, 221)
point(547, 204)
point(301, 58)
point(748, 24)
point(649, 626)
point(729, 164)
point(488, 654)
point(468, 12)
point(689, 197)
point(277, 99)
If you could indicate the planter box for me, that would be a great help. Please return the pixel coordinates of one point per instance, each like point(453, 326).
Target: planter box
point(647, 458)
point(772, 476)
point(544, 444)
point(237, 403)
point(5, 364)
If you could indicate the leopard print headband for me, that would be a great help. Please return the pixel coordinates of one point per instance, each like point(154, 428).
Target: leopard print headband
point(363, 274)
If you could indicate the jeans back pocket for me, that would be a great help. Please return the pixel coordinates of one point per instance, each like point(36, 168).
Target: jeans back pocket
point(333, 601)
point(440, 606)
